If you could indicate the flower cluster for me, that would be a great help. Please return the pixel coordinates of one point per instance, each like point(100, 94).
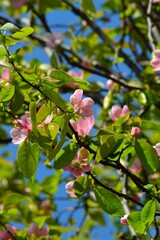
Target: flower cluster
point(77, 167)
point(82, 107)
point(118, 112)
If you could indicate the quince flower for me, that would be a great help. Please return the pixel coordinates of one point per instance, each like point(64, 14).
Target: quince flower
point(83, 125)
point(18, 3)
point(156, 62)
point(4, 235)
point(34, 229)
point(117, 112)
point(54, 39)
point(78, 165)
point(81, 106)
point(20, 133)
point(69, 189)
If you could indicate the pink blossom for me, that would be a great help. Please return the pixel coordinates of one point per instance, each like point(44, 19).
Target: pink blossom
point(135, 131)
point(18, 3)
point(155, 1)
point(86, 63)
point(136, 167)
point(78, 165)
point(54, 39)
point(124, 220)
point(5, 73)
point(81, 106)
point(20, 133)
point(69, 189)
point(34, 229)
point(156, 62)
point(4, 235)
point(117, 112)
point(74, 74)
point(110, 84)
point(83, 125)
point(157, 148)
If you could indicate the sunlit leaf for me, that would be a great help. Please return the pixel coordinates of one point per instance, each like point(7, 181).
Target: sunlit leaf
point(108, 201)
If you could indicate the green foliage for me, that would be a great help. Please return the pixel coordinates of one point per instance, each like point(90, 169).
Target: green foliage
point(108, 201)
point(104, 40)
point(147, 155)
point(65, 156)
point(27, 158)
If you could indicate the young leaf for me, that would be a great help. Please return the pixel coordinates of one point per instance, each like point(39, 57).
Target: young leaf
point(81, 185)
point(23, 32)
point(27, 158)
point(106, 148)
point(53, 96)
point(9, 27)
point(134, 219)
point(147, 155)
point(65, 156)
point(88, 8)
point(109, 202)
point(44, 111)
point(148, 212)
point(6, 94)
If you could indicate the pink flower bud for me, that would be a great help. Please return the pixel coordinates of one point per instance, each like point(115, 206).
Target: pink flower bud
point(135, 131)
point(124, 220)
point(117, 112)
point(110, 84)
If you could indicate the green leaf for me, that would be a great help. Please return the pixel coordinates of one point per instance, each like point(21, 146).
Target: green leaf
point(64, 77)
point(134, 219)
point(64, 129)
point(150, 125)
point(6, 94)
point(44, 111)
point(32, 110)
point(43, 140)
point(147, 155)
point(50, 183)
point(81, 185)
point(12, 199)
point(109, 202)
point(148, 212)
point(2, 51)
point(53, 96)
point(9, 27)
point(52, 129)
point(27, 158)
point(88, 8)
point(23, 32)
point(65, 156)
point(107, 147)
